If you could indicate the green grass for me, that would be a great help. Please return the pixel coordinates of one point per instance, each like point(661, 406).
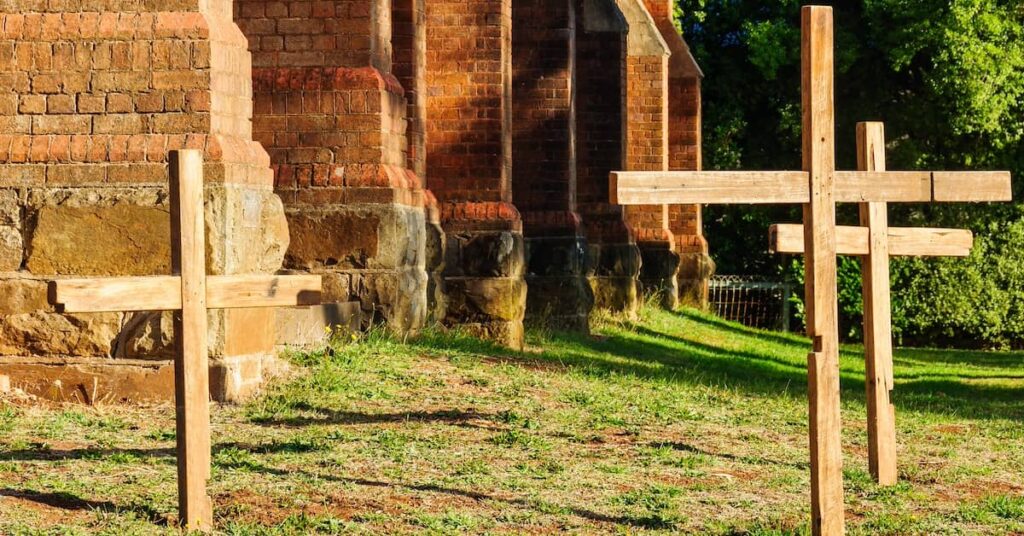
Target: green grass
point(676, 423)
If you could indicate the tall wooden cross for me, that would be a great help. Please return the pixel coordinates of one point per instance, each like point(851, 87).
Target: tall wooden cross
point(875, 242)
point(818, 188)
point(191, 293)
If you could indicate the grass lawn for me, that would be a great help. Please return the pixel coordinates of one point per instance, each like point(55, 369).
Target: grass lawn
point(679, 422)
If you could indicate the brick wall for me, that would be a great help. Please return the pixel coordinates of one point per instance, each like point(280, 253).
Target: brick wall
point(95, 95)
point(469, 156)
point(647, 136)
point(410, 57)
point(613, 256)
point(469, 163)
point(544, 160)
point(684, 146)
point(543, 116)
point(333, 117)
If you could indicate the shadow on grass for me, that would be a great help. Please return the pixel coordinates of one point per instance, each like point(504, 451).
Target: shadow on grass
point(634, 521)
point(649, 353)
point(68, 501)
point(453, 417)
point(755, 460)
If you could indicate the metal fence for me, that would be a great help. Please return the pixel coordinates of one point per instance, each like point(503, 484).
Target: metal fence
point(752, 301)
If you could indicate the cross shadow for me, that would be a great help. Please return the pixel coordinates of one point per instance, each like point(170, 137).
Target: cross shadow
point(665, 356)
point(635, 521)
point(724, 325)
point(454, 417)
point(68, 501)
point(756, 460)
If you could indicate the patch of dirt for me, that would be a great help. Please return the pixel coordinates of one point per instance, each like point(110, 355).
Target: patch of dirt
point(250, 507)
point(953, 429)
point(979, 489)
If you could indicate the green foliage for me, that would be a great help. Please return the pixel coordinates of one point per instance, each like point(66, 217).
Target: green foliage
point(947, 78)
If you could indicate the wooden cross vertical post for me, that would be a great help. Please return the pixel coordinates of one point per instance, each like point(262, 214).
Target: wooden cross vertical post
point(877, 314)
point(191, 368)
point(191, 293)
point(821, 288)
point(818, 188)
point(875, 242)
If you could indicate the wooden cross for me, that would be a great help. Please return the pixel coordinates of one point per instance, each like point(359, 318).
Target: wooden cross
point(818, 188)
point(876, 242)
point(191, 293)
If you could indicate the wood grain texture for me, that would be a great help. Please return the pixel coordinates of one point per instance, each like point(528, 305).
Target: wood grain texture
point(163, 293)
point(821, 292)
point(877, 315)
point(891, 187)
point(855, 241)
point(972, 186)
point(791, 187)
point(708, 187)
point(191, 370)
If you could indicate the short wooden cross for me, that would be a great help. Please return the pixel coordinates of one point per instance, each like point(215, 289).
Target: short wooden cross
point(876, 242)
point(818, 188)
point(191, 293)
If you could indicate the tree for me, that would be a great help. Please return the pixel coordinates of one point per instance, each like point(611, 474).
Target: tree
point(947, 78)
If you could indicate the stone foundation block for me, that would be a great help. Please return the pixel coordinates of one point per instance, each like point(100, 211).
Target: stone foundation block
point(485, 285)
point(613, 270)
point(559, 294)
point(658, 274)
point(695, 271)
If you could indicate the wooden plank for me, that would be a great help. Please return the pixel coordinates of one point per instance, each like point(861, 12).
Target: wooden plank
point(191, 367)
point(788, 187)
point(102, 295)
point(892, 187)
point(244, 291)
point(967, 186)
point(914, 242)
point(789, 239)
point(855, 241)
point(763, 187)
point(708, 187)
point(877, 315)
point(821, 292)
point(163, 293)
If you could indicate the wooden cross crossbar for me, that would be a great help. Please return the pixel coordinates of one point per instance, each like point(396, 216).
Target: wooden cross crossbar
point(818, 187)
point(191, 293)
point(793, 187)
point(856, 241)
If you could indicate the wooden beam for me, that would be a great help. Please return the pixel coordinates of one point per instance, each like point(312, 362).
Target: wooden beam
point(821, 289)
point(903, 242)
point(191, 368)
point(129, 294)
point(967, 186)
point(892, 187)
point(163, 293)
point(790, 187)
point(877, 315)
point(708, 187)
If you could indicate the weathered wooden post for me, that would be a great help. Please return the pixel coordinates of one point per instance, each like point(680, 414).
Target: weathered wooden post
point(190, 292)
point(818, 188)
point(875, 242)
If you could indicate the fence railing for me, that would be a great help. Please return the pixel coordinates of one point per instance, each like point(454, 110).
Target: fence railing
point(752, 301)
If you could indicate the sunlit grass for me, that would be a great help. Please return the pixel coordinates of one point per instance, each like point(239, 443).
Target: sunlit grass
point(673, 422)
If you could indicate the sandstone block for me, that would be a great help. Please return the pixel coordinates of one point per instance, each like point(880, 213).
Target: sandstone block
point(343, 239)
point(11, 249)
point(122, 239)
point(56, 334)
point(23, 295)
